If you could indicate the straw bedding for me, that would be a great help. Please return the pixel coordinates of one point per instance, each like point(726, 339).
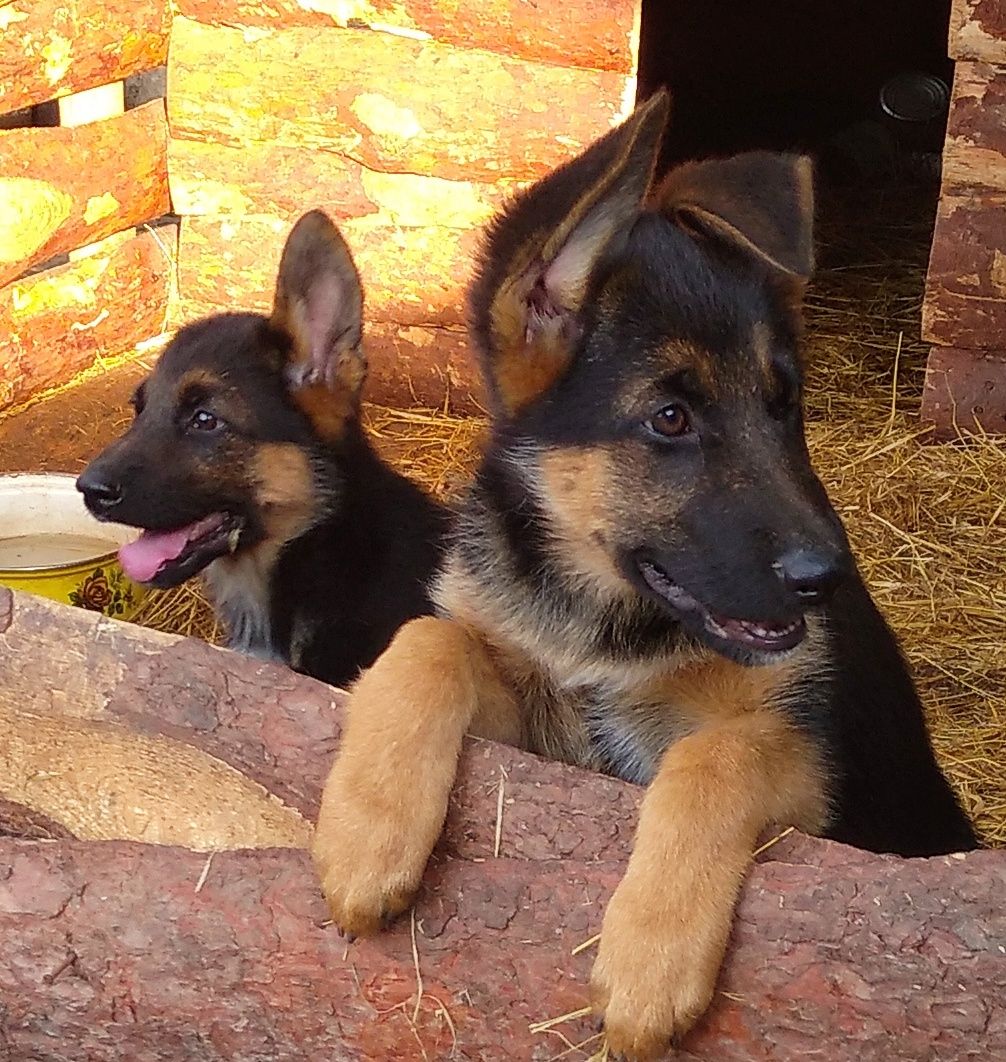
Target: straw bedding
point(927, 522)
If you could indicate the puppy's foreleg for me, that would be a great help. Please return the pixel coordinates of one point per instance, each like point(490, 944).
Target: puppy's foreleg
point(385, 800)
point(666, 928)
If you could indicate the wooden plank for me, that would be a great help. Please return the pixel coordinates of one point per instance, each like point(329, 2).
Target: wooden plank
point(409, 365)
point(565, 32)
point(965, 392)
point(284, 182)
point(56, 323)
point(412, 276)
point(965, 302)
point(386, 102)
point(63, 188)
point(131, 951)
point(234, 957)
point(978, 30)
point(975, 151)
point(49, 48)
point(82, 108)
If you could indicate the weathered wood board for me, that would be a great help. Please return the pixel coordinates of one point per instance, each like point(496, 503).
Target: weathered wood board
point(386, 102)
point(125, 950)
point(965, 392)
point(964, 310)
point(412, 365)
point(564, 32)
point(965, 302)
point(56, 323)
point(975, 151)
point(412, 276)
point(283, 182)
point(49, 48)
point(978, 30)
point(61, 189)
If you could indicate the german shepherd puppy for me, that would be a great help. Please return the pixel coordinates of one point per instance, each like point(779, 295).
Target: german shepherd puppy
point(646, 576)
point(247, 459)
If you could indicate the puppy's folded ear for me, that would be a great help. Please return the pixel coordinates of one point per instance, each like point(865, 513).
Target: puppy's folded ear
point(539, 255)
point(759, 203)
point(319, 306)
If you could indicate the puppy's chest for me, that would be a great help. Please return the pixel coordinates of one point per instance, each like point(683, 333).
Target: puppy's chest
point(628, 738)
point(623, 723)
point(240, 588)
point(604, 729)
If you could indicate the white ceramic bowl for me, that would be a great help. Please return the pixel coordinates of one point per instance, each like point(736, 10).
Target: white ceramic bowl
point(51, 545)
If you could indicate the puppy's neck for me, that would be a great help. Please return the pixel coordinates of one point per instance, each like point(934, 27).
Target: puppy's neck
point(240, 587)
point(502, 576)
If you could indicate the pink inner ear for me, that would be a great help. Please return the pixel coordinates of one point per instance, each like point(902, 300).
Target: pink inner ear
point(558, 291)
point(543, 314)
point(322, 309)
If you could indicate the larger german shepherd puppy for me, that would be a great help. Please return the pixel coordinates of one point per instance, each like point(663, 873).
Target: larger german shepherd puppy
point(247, 459)
point(647, 577)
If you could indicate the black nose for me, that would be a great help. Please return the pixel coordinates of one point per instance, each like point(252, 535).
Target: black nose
point(811, 574)
point(99, 494)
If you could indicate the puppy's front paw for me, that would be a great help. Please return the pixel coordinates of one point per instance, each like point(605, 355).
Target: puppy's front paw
point(370, 855)
point(655, 973)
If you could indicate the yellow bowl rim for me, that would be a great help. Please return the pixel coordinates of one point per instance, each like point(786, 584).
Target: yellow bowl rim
point(59, 569)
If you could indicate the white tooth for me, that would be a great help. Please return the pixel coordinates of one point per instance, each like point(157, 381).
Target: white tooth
point(232, 539)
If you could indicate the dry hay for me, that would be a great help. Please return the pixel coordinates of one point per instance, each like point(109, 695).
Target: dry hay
point(926, 522)
point(184, 610)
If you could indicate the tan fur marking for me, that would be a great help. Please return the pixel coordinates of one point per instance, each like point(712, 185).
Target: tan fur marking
point(804, 179)
point(577, 491)
point(199, 382)
point(328, 410)
point(522, 374)
point(696, 360)
point(284, 489)
point(666, 927)
point(761, 347)
point(712, 688)
point(385, 800)
point(199, 378)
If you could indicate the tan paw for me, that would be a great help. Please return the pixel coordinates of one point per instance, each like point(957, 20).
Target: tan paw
point(654, 977)
point(370, 859)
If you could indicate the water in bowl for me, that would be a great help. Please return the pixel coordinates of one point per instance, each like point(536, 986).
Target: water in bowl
point(48, 549)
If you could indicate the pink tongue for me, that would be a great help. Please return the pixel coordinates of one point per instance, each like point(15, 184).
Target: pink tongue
point(142, 559)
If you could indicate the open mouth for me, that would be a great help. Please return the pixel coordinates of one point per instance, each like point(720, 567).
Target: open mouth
point(167, 558)
point(750, 634)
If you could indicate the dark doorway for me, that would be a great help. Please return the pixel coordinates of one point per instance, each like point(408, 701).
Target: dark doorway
point(863, 87)
point(819, 75)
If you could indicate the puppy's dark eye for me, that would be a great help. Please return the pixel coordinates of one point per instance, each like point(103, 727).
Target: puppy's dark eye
point(670, 423)
point(203, 420)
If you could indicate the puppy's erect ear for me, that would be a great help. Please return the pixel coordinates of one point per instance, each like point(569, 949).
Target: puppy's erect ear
point(761, 203)
point(538, 257)
point(319, 305)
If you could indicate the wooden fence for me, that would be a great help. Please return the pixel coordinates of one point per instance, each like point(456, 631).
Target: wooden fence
point(409, 123)
point(964, 315)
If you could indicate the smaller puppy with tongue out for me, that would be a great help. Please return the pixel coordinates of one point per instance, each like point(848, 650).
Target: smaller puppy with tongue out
point(247, 459)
